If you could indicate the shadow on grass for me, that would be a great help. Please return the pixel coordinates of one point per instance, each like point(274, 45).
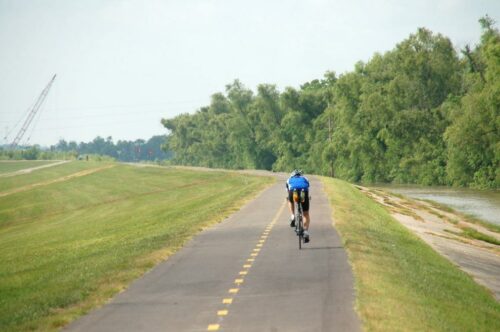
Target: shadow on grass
point(322, 248)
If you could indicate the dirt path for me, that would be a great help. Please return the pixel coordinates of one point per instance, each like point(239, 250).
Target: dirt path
point(61, 179)
point(443, 231)
point(31, 169)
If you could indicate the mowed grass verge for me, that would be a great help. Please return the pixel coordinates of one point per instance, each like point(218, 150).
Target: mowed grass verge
point(69, 246)
point(8, 166)
point(402, 284)
point(46, 174)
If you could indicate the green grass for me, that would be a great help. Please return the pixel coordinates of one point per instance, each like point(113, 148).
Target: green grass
point(475, 220)
point(46, 174)
point(472, 233)
point(12, 166)
point(402, 284)
point(69, 246)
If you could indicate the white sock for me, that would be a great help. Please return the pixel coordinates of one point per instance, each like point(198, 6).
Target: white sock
point(292, 217)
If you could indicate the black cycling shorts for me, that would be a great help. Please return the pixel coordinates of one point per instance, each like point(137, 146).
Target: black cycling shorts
point(305, 204)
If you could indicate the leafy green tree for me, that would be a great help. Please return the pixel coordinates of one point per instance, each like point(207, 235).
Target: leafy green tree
point(473, 138)
point(412, 115)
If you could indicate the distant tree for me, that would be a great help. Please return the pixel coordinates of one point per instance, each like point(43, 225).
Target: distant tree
point(31, 154)
point(138, 150)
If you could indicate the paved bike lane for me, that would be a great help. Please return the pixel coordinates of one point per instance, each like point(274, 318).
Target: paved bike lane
point(244, 274)
point(298, 290)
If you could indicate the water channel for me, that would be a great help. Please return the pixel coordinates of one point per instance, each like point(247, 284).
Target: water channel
point(483, 204)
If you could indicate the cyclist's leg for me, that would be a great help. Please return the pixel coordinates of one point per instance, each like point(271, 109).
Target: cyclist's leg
point(289, 201)
point(307, 219)
point(290, 206)
point(305, 210)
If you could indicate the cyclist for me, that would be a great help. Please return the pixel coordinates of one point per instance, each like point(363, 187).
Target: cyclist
point(298, 181)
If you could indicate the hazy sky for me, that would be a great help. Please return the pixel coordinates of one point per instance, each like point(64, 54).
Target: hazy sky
point(124, 65)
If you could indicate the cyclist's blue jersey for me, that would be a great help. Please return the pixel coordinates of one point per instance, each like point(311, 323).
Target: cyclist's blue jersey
point(297, 182)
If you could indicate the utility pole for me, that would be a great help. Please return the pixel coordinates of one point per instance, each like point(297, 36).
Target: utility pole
point(32, 113)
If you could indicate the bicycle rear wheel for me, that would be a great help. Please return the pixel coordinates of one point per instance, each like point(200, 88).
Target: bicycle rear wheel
point(300, 240)
point(301, 228)
point(298, 222)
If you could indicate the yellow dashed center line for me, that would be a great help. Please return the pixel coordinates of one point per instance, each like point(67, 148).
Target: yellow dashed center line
point(255, 252)
point(222, 313)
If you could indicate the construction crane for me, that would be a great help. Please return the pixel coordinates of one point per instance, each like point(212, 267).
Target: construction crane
point(32, 114)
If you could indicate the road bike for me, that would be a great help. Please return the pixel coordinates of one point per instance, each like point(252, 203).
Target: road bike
point(299, 197)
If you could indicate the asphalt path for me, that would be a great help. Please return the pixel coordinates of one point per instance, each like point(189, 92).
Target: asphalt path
point(244, 274)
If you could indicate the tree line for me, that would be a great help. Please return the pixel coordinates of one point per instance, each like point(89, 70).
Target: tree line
point(122, 150)
point(422, 113)
point(99, 148)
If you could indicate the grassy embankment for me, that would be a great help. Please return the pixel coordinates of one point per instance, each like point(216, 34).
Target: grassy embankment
point(7, 166)
point(68, 246)
point(45, 174)
point(402, 284)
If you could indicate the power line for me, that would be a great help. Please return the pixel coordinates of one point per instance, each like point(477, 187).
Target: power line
point(100, 115)
point(114, 124)
point(35, 123)
point(32, 113)
point(145, 105)
point(138, 112)
point(23, 116)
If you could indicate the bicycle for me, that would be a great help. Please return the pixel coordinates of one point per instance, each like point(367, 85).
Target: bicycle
point(298, 214)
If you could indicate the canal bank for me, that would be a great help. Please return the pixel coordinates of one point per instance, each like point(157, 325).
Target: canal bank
point(473, 247)
point(482, 204)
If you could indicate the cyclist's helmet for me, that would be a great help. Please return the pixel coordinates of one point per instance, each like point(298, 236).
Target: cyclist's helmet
point(296, 172)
